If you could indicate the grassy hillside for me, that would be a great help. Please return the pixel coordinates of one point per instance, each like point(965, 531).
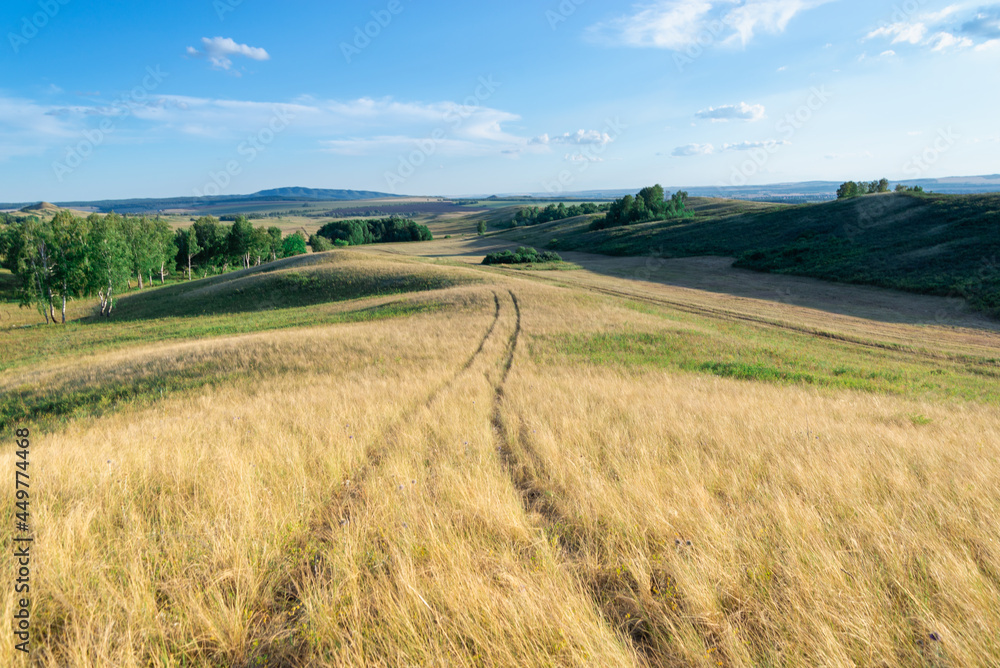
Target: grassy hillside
point(365, 458)
point(932, 244)
point(305, 280)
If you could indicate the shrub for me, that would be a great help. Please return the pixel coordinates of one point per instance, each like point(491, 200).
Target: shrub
point(523, 255)
point(320, 244)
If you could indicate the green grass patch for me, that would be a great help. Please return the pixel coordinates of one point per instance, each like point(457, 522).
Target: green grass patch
point(543, 266)
point(313, 280)
point(751, 353)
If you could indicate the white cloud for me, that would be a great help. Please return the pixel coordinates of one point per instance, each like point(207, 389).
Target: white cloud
point(693, 149)
point(910, 33)
point(887, 54)
point(770, 16)
point(582, 157)
point(747, 145)
point(945, 40)
point(220, 51)
point(678, 25)
point(353, 127)
point(579, 138)
point(991, 45)
point(733, 112)
point(359, 146)
point(935, 30)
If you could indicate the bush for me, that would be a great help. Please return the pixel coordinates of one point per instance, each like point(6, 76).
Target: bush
point(320, 244)
point(522, 255)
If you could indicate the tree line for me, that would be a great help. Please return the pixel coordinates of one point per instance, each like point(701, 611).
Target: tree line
point(850, 189)
point(214, 247)
point(532, 215)
point(648, 205)
point(374, 231)
point(70, 257)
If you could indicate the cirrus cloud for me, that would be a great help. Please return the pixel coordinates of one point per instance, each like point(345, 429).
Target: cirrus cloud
point(681, 24)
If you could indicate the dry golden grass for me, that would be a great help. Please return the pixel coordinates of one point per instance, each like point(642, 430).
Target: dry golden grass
point(446, 490)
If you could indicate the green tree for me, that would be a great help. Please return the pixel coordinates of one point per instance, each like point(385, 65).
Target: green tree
point(212, 238)
point(164, 251)
point(654, 198)
point(275, 234)
point(70, 271)
point(142, 236)
point(29, 258)
point(240, 240)
point(481, 227)
point(187, 243)
point(293, 244)
point(108, 268)
point(261, 245)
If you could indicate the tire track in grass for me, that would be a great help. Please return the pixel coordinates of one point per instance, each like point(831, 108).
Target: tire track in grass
point(646, 620)
point(278, 639)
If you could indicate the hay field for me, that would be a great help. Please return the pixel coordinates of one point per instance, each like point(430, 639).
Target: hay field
point(505, 468)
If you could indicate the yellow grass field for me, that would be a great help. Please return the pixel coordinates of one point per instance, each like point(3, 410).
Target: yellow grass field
point(511, 468)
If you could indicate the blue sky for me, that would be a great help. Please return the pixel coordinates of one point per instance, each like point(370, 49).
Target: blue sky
point(119, 99)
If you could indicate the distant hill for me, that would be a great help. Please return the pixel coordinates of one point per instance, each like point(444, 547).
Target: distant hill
point(278, 196)
point(800, 192)
point(322, 194)
point(41, 207)
point(936, 244)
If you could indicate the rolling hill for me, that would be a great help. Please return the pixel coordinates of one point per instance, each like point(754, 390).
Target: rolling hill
point(933, 244)
point(366, 458)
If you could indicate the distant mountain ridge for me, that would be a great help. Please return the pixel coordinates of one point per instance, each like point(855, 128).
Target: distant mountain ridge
point(322, 194)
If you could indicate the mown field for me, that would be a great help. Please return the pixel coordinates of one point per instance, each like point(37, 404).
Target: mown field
point(371, 458)
point(922, 243)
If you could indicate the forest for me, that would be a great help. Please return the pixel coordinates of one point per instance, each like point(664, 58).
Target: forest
point(72, 257)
